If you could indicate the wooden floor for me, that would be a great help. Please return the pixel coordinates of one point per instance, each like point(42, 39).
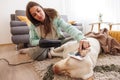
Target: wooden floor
point(20, 72)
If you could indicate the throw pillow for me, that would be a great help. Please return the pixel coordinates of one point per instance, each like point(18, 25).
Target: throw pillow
point(71, 22)
point(24, 19)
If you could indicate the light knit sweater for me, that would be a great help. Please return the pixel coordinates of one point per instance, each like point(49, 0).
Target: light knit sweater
point(58, 24)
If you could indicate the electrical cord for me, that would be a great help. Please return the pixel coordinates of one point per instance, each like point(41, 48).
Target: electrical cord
point(17, 63)
point(21, 62)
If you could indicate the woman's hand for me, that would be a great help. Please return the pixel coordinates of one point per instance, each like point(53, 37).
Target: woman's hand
point(83, 47)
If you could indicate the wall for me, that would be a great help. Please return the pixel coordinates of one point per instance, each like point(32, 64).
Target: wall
point(87, 11)
point(9, 6)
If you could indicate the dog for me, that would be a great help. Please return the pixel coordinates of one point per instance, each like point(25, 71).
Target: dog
point(73, 67)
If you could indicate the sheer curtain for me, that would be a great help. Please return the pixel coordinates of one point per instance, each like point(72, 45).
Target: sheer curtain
point(87, 11)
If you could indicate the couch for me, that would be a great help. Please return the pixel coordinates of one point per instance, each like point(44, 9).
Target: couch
point(20, 29)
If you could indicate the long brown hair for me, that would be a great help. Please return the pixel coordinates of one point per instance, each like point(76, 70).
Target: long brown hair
point(50, 14)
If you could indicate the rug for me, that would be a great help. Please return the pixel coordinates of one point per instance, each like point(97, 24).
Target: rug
point(107, 68)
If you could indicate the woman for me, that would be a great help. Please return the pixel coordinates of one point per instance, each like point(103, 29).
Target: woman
point(45, 30)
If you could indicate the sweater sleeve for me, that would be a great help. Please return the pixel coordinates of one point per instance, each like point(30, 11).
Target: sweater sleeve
point(74, 32)
point(34, 39)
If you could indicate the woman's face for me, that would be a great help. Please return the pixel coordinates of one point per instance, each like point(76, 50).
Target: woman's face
point(37, 13)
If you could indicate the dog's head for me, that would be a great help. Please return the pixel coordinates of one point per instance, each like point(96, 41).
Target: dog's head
point(71, 67)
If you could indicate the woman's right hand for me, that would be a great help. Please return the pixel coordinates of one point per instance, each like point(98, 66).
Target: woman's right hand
point(83, 47)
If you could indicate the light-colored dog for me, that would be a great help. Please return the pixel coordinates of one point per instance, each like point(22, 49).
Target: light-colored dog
point(73, 67)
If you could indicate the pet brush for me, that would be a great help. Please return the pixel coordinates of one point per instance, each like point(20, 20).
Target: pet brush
point(76, 56)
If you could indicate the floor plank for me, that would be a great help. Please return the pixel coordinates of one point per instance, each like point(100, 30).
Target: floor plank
point(20, 72)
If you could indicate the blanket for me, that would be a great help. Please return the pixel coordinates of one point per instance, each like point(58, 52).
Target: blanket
point(108, 43)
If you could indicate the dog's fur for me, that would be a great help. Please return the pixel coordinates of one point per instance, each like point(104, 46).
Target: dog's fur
point(73, 67)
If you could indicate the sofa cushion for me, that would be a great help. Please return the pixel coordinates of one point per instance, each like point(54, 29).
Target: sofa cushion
point(19, 30)
point(17, 23)
point(20, 39)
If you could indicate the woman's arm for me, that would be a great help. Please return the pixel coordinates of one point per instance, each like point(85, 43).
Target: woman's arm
point(34, 39)
point(74, 32)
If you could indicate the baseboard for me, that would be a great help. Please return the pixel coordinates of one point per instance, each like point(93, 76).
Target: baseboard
point(7, 44)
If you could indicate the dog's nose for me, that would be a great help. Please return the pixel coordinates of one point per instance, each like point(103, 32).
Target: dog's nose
point(56, 69)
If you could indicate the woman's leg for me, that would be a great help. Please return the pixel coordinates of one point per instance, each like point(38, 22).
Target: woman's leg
point(36, 53)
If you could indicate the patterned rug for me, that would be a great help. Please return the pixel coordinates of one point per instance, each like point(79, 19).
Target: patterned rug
point(107, 68)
